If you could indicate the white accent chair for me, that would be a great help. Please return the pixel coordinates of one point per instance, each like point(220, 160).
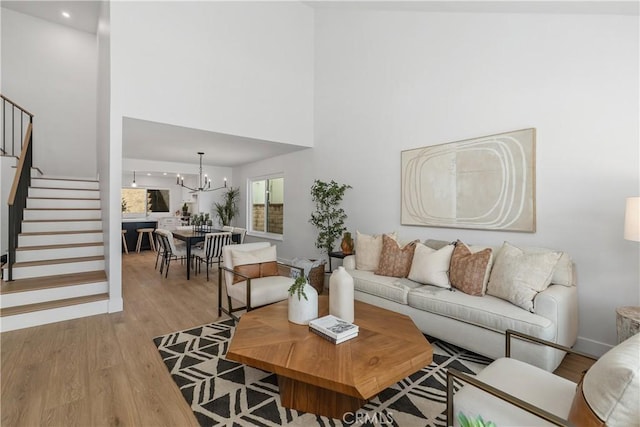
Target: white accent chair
point(252, 292)
point(511, 392)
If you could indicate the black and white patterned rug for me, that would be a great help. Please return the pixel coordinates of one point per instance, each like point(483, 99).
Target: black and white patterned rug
point(227, 393)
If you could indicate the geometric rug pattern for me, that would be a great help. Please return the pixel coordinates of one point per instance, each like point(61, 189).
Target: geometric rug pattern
point(226, 393)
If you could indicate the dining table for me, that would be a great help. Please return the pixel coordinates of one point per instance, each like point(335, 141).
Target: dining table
point(193, 236)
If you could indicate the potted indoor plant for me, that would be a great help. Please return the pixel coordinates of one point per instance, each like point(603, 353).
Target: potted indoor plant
point(303, 301)
point(228, 209)
point(328, 216)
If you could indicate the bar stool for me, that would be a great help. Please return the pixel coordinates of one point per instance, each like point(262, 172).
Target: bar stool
point(124, 241)
point(141, 232)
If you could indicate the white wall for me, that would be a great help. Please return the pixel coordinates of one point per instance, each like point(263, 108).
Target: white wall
point(390, 81)
point(240, 68)
point(50, 70)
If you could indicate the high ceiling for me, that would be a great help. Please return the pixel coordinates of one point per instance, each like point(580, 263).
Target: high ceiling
point(163, 142)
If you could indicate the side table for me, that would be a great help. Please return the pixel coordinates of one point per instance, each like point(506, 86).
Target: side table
point(627, 322)
point(337, 254)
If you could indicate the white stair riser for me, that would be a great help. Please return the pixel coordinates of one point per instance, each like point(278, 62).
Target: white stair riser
point(53, 294)
point(62, 203)
point(47, 226)
point(54, 269)
point(61, 183)
point(48, 214)
point(58, 239)
point(27, 320)
point(27, 255)
point(63, 193)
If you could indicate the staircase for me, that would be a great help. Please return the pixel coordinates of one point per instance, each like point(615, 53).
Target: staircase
point(59, 273)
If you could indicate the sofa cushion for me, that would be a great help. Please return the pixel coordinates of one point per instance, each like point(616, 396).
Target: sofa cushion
point(368, 249)
point(395, 260)
point(611, 386)
point(265, 290)
point(430, 266)
point(518, 276)
point(488, 312)
point(391, 288)
point(469, 271)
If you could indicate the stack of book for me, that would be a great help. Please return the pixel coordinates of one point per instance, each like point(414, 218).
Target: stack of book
point(333, 329)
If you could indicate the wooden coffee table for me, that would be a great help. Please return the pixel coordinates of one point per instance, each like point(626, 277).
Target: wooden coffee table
point(317, 376)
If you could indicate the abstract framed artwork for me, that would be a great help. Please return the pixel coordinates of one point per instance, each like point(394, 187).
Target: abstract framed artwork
point(485, 183)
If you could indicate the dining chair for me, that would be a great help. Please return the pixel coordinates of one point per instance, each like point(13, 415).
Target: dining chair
point(242, 231)
point(170, 251)
point(213, 244)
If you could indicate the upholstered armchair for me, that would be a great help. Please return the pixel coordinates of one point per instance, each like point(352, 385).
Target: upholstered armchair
point(252, 276)
point(511, 392)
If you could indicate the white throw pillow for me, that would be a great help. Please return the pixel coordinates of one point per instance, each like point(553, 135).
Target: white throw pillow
point(368, 249)
point(430, 266)
point(254, 257)
point(517, 276)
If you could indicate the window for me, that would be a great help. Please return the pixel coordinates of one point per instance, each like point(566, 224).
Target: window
point(266, 206)
point(144, 200)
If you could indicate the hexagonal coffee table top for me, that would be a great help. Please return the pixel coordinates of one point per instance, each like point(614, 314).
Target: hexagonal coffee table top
point(388, 348)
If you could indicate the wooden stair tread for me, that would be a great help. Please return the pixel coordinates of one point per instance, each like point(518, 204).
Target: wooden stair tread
point(61, 220)
point(21, 309)
point(48, 233)
point(61, 209)
point(56, 281)
point(65, 188)
point(57, 261)
point(65, 246)
point(62, 198)
point(66, 179)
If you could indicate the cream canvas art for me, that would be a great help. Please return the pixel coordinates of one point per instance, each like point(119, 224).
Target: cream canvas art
point(484, 183)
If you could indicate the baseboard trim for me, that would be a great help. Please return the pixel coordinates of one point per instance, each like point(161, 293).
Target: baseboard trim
point(592, 347)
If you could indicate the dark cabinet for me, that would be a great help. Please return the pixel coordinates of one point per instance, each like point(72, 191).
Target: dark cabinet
point(131, 235)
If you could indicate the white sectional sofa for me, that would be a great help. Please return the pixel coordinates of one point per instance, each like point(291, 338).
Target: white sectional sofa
point(478, 323)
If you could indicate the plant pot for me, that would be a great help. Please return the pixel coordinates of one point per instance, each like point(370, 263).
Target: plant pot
point(302, 310)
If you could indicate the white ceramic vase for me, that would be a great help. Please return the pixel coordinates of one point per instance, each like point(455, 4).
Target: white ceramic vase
point(301, 311)
point(341, 295)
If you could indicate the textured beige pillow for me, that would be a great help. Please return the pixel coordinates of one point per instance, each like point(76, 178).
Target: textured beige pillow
point(518, 276)
point(611, 386)
point(430, 266)
point(395, 261)
point(368, 249)
point(469, 271)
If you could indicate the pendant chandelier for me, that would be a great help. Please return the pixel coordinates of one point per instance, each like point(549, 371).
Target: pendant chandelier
point(204, 182)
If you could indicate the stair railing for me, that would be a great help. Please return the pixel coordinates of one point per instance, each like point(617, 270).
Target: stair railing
point(18, 116)
point(22, 179)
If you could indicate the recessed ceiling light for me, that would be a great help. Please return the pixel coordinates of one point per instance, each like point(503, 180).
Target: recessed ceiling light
point(66, 14)
point(164, 173)
point(148, 174)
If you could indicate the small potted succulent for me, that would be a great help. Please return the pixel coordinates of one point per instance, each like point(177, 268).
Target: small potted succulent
point(303, 301)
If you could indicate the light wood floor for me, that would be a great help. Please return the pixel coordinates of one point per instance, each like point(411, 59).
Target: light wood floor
point(105, 370)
